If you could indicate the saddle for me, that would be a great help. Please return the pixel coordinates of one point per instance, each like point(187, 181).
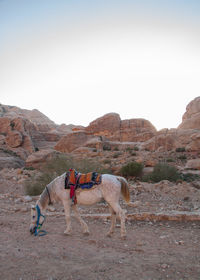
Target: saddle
point(75, 180)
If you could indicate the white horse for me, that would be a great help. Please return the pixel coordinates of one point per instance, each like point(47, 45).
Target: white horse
point(110, 189)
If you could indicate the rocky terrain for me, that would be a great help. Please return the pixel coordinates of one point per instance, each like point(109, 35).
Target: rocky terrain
point(29, 138)
point(163, 219)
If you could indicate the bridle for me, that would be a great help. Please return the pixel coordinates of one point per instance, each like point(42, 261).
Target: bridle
point(38, 231)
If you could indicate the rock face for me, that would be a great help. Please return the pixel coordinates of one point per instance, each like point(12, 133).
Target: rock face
point(104, 129)
point(108, 126)
point(24, 131)
point(136, 130)
point(72, 141)
point(191, 118)
point(193, 164)
point(115, 129)
point(10, 160)
point(39, 158)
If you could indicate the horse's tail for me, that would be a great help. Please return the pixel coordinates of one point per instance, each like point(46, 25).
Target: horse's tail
point(124, 188)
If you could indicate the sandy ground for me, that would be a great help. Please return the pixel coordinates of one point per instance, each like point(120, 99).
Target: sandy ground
point(161, 250)
point(152, 250)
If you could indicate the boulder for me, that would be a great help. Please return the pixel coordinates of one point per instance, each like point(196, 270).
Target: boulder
point(14, 139)
point(194, 144)
point(193, 164)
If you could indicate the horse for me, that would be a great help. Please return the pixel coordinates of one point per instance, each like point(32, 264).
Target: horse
point(109, 190)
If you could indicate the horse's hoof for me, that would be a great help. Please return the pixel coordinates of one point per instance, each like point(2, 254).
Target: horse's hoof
point(109, 234)
point(123, 237)
point(67, 232)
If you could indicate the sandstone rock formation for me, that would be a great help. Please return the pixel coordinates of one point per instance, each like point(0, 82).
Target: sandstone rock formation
point(108, 126)
point(72, 141)
point(24, 132)
point(113, 128)
point(136, 130)
point(39, 158)
point(191, 118)
point(193, 164)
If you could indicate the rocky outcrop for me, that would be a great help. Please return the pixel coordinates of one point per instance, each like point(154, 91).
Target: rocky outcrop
point(108, 126)
point(115, 129)
point(39, 158)
point(9, 159)
point(136, 130)
point(16, 133)
point(26, 131)
point(72, 141)
point(191, 118)
point(193, 164)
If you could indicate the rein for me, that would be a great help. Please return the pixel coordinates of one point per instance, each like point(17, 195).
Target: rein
point(38, 231)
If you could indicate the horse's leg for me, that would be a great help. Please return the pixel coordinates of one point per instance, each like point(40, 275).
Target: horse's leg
point(113, 222)
point(83, 224)
point(67, 217)
point(121, 213)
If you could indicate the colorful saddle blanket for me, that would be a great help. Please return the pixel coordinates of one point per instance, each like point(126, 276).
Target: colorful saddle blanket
point(74, 180)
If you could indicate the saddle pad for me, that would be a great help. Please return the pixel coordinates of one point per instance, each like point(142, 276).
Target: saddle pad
point(73, 178)
point(89, 178)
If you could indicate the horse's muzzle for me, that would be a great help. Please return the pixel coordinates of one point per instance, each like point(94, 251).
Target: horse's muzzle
point(32, 230)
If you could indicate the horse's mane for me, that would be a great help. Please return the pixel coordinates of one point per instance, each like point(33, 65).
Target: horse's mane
point(44, 197)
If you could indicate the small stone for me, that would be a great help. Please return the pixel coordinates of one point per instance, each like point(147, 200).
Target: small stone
point(18, 200)
point(164, 266)
point(179, 242)
point(24, 209)
point(27, 198)
point(51, 209)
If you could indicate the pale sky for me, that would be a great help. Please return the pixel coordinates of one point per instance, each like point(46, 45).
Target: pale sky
point(78, 60)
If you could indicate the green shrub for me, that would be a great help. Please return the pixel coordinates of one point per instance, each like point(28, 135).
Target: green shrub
point(162, 171)
point(136, 148)
point(170, 160)
point(116, 155)
point(182, 157)
point(133, 153)
point(107, 161)
point(106, 147)
point(29, 168)
point(56, 167)
point(189, 177)
point(132, 169)
point(180, 149)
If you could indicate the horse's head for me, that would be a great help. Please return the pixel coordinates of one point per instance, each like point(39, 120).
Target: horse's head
point(33, 225)
point(37, 220)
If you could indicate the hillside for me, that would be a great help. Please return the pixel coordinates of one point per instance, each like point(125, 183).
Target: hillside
point(28, 137)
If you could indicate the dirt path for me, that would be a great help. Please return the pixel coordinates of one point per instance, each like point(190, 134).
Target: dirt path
point(161, 250)
point(152, 251)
